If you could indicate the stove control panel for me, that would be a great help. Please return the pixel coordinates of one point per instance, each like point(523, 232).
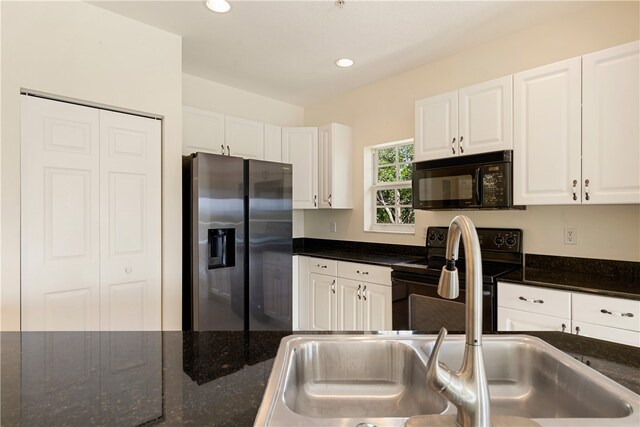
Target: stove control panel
point(493, 239)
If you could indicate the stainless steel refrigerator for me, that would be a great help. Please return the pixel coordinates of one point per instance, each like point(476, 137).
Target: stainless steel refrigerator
point(237, 244)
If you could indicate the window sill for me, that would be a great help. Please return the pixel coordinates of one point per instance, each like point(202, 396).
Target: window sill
point(391, 231)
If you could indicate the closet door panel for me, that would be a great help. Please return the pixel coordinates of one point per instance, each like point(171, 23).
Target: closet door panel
point(59, 216)
point(130, 274)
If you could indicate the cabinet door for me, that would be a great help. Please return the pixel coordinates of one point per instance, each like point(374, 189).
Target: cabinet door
point(376, 301)
point(547, 127)
point(485, 117)
point(272, 143)
point(130, 223)
point(610, 125)
point(334, 166)
point(516, 320)
point(621, 336)
point(322, 302)
point(244, 138)
point(202, 131)
point(349, 305)
point(437, 127)
point(300, 148)
point(60, 216)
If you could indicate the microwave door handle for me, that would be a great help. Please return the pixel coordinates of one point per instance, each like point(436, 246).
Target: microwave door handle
point(478, 187)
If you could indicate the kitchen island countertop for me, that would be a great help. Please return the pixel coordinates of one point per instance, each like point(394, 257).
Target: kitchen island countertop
point(176, 378)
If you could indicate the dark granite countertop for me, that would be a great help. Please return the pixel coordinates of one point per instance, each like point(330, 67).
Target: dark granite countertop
point(386, 260)
point(603, 277)
point(178, 378)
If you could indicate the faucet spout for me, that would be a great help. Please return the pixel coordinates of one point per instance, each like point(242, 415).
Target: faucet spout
point(467, 388)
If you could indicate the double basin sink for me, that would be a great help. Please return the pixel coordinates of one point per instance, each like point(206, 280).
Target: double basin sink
point(380, 380)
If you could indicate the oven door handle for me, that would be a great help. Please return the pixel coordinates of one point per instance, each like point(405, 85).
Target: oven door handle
point(478, 187)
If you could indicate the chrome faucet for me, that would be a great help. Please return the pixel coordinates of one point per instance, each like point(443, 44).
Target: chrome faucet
point(467, 388)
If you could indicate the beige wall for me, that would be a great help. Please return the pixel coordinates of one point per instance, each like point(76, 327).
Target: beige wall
point(79, 51)
point(384, 111)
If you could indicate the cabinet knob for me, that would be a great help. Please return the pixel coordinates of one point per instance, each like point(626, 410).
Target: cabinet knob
point(614, 313)
point(586, 189)
point(128, 270)
point(534, 301)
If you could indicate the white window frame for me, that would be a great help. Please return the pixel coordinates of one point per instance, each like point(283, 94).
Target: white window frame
point(371, 186)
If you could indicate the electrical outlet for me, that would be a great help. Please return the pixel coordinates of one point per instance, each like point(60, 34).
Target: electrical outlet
point(333, 226)
point(570, 236)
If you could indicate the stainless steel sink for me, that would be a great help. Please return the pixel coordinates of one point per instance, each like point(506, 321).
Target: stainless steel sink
point(358, 378)
point(380, 380)
point(530, 380)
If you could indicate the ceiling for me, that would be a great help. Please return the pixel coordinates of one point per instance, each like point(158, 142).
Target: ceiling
point(287, 50)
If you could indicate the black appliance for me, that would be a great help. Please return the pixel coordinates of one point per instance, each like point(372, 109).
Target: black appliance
point(480, 181)
point(416, 303)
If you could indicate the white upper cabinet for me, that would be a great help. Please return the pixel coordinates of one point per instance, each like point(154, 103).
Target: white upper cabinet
point(437, 127)
point(244, 138)
point(576, 130)
point(485, 117)
point(610, 125)
point(300, 148)
point(546, 125)
point(476, 119)
point(334, 166)
point(202, 131)
point(272, 143)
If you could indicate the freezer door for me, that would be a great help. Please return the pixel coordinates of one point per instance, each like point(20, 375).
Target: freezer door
point(270, 245)
point(218, 243)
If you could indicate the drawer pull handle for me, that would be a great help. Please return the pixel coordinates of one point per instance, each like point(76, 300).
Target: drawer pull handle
point(359, 286)
point(364, 293)
point(564, 327)
point(577, 330)
point(362, 272)
point(614, 313)
point(535, 301)
point(322, 266)
point(333, 286)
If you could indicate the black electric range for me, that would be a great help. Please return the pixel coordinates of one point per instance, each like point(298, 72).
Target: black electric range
point(416, 303)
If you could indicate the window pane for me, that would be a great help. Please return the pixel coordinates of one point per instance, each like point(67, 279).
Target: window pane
point(406, 153)
point(407, 216)
point(386, 156)
point(405, 196)
point(386, 197)
point(385, 216)
point(405, 172)
point(387, 174)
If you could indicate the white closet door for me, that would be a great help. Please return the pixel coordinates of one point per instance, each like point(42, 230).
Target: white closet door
point(60, 251)
point(130, 269)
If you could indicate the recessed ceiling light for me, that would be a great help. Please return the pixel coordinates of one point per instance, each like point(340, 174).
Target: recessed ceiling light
point(218, 6)
point(344, 62)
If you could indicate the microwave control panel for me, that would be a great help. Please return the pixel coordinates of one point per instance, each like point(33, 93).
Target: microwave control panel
point(496, 185)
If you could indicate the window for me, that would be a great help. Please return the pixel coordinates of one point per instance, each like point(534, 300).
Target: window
point(389, 187)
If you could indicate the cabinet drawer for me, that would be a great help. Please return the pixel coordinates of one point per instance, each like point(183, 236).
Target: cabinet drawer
point(323, 266)
point(518, 320)
point(535, 300)
point(606, 311)
point(365, 272)
point(607, 333)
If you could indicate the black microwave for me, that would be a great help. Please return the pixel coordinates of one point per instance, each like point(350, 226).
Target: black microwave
point(479, 181)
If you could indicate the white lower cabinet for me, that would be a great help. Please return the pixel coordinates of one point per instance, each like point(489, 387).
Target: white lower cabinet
point(329, 301)
point(518, 320)
point(322, 302)
point(530, 308)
